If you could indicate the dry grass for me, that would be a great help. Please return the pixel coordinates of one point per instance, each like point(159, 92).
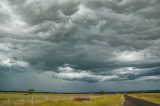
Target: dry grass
point(19, 99)
point(152, 97)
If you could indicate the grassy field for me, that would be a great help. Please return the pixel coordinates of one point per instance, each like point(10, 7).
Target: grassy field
point(42, 99)
point(152, 97)
point(20, 99)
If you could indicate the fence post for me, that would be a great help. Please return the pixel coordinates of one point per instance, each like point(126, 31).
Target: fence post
point(8, 100)
point(32, 101)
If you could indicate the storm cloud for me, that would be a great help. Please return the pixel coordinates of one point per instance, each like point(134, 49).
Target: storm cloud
point(81, 40)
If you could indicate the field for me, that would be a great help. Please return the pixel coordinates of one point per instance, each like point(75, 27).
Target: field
point(42, 99)
point(20, 99)
point(152, 97)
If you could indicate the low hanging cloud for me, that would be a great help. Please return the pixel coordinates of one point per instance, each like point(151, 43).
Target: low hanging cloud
point(98, 39)
point(68, 73)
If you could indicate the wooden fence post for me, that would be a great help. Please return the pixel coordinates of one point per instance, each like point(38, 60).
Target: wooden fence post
point(32, 101)
point(8, 100)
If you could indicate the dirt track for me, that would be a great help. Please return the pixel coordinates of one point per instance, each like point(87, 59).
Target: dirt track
point(131, 101)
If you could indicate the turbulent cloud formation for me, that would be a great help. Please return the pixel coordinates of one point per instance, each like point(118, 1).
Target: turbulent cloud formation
point(82, 40)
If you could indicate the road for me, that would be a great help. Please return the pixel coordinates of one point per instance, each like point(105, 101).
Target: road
point(131, 101)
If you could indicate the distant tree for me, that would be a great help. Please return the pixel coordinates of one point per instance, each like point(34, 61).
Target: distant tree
point(30, 91)
point(101, 92)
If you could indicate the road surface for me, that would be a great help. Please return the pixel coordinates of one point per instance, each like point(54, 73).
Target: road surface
point(131, 101)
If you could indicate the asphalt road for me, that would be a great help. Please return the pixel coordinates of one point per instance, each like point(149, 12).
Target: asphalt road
point(131, 101)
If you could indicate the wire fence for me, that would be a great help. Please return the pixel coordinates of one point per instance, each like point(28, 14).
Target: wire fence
point(35, 99)
point(31, 100)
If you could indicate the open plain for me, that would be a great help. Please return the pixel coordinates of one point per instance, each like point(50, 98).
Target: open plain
point(45, 99)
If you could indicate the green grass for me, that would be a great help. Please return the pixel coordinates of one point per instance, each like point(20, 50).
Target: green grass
point(19, 99)
point(152, 97)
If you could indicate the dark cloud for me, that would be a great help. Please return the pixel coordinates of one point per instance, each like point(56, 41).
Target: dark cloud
point(98, 39)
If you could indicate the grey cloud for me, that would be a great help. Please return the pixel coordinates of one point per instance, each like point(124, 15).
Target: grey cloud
point(40, 11)
point(98, 36)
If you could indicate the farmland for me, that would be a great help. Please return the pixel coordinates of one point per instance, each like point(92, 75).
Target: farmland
point(44, 99)
point(20, 99)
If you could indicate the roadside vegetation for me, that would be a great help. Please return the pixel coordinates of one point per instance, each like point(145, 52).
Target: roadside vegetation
point(152, 97)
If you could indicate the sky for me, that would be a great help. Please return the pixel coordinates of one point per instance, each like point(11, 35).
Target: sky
point(79, 45)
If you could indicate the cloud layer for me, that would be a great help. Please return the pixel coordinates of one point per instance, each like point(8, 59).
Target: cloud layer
point(84, 40)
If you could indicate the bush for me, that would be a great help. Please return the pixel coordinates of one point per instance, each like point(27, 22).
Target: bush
point(30, 91)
